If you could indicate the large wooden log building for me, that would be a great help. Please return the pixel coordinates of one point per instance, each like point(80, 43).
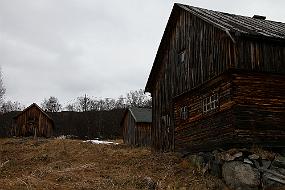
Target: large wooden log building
point(33, 121)
point(218, 80)
point(136, 125)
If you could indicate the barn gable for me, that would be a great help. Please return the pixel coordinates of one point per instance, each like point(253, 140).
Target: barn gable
point(201, 80)
point(33, 121)
point(233, 25)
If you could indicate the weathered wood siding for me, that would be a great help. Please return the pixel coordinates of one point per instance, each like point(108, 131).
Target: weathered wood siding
point(208, 53)
point(203, 131)
point(136, 134)
point(33, 121)
point(251, 111)
point(128, 126)
point(260, 108)
point(142, 134)
point(259, 55)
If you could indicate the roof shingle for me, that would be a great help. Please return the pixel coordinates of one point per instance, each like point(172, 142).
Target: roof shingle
point(238, 23)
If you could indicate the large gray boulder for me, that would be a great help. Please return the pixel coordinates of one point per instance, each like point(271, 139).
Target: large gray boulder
point(279, 162)
point(241, 176)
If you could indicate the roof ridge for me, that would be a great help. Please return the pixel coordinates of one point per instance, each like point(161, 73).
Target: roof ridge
point(239, 23)
point(34, 104)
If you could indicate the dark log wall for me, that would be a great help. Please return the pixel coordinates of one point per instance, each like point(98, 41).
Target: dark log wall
point(208, 53)
point(251, 112)
point(33, 121)
point(203, 131)
point(137, 134)
point(260, 108)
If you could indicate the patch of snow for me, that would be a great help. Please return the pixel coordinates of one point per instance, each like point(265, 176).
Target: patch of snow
point(61, 137)
point(100, 142)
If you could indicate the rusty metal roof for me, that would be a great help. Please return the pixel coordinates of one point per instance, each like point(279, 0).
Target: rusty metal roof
point(237, 23)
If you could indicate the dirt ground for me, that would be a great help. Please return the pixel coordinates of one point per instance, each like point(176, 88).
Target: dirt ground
point(74, 164)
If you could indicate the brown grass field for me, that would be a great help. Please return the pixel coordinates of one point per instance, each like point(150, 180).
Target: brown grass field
point(74, 164)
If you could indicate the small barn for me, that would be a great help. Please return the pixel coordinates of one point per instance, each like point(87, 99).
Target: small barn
point(218, 80)
point(33, 121)
point(136, 125)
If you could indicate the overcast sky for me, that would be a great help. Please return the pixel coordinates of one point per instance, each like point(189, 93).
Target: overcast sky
point(103, 48)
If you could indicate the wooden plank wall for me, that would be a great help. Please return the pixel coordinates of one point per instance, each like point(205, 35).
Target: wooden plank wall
point(42, 125)
point(129, 129)
point(136, 134)
point(208, 53)
point(143, 137)
point(260, 56)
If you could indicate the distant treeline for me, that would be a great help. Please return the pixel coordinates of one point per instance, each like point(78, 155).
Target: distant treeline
point(135, 98)
point(85, 125)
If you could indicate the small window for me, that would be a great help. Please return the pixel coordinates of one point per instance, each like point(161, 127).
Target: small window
point(210, 103)
point(184, 112)
point(181, 57)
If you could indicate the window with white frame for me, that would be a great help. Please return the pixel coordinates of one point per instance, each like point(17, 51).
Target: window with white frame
point(181, 57)
point(210, 103)
point(184, 112)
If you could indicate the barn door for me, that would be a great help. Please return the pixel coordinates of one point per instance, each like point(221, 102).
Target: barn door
point(32, 127)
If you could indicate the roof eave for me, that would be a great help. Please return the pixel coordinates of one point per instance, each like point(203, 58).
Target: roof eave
point(149, 84)
point(176, 9)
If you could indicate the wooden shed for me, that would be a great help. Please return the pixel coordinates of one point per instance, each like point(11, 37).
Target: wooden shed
point(136, 125)
point(218, 80)
point(33, 121)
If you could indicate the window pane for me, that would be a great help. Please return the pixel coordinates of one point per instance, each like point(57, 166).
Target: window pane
point(208, 106)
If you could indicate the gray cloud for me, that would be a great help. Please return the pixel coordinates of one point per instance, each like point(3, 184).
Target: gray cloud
point(66, 48)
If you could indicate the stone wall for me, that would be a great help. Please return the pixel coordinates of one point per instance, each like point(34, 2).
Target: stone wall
point(244, 169)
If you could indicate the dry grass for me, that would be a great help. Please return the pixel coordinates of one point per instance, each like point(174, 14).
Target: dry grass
point(73, 164)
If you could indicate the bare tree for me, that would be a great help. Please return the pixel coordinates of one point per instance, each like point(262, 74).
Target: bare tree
point(134, 99)
point(109, 104)
point(51, 105)
point(138, 99)
point(83, 103)
point(120, 103)
point(2, 88)
point(70, 107)
point(11, 106)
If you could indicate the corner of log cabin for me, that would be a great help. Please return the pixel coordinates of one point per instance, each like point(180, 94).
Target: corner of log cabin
point(228, 87)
